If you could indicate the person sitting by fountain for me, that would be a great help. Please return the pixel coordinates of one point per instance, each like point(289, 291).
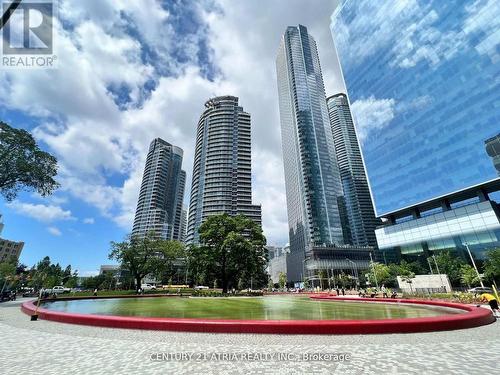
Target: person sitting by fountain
point(394, 294)
point(492, 301)
point(384, 291)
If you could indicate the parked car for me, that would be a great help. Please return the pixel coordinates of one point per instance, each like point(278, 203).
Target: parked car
point(199, 287)
point(59, 289)
point(8, 295)
point(28, 292)
point(480, 289)
point(148, 287)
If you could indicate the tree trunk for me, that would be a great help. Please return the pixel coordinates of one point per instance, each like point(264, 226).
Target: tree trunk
point(138, 282)
point(224, 276)
point(224, 282)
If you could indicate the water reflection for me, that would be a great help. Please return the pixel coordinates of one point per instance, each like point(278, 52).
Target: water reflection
point(267, 308)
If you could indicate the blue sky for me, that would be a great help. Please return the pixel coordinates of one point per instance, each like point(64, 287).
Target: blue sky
point(130, 71)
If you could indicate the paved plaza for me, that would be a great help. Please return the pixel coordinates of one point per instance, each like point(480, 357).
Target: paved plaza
point(45, 347)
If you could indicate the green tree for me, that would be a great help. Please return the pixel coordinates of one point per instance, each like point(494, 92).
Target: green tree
point(23, 165)
point(282, 280)
point(450, 265)
point(408, 277)
point(381, 272)
point(468, 276)
point(492, 265)
point(323, 278)
point(166, 263)
point(416, 267)
point(72, 282)
point(241, 284)
point(231, 248)
point(47, 275)
point(343, 280)
point(140, 255)
point(94, 282)
point(405, 271)
point(7, 272)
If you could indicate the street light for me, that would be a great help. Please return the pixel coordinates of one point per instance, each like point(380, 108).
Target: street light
point(439, 272)
point(474, 264)
point(430, 267)
point(355, 270)
point(304, 271)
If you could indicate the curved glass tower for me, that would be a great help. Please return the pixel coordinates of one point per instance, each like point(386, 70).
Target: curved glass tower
point(423, 83)
point(159, 207)
point(222, 170)
point(311, 173)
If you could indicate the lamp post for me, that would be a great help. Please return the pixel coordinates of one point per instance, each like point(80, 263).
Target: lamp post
point(373, 268)
point(439, 272)
point(304, 271)
point(354, 269)
point(474, 264)
point(430, 266)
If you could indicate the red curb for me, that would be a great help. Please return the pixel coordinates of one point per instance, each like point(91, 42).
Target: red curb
point(472, 317)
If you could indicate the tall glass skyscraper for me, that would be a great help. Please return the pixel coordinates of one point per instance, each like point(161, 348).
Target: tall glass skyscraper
point(423, 83)
point(222, 171)
point(312, 177)
point(358, 202)
point(159, 207)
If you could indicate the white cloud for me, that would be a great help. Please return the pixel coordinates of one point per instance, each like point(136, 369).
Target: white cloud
point(422, 41)
point(420, 34)
point(485, 23)
point(54, 231)
point(41, 212)
point(366, 34)
point(89, 220)
point(101, 145)
point(372, 114)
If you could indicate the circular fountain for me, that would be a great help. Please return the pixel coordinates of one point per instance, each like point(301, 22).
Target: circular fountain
point(284, 314)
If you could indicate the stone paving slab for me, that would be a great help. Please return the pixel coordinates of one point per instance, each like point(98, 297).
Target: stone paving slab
point(45, 347)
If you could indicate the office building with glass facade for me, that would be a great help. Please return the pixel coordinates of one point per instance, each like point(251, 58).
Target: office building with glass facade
point(159, 208)
point(453, 222)
point(422, 83)
point(222, 170)
point(360, 222)
point(312, 178)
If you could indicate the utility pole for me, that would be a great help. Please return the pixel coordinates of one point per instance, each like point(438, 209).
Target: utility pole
point(474, 264)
